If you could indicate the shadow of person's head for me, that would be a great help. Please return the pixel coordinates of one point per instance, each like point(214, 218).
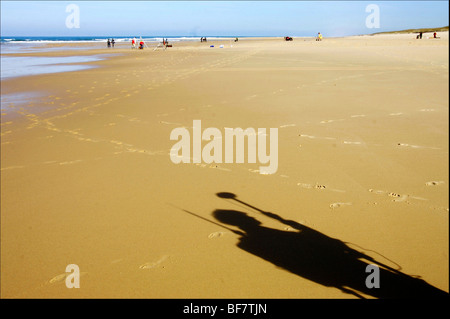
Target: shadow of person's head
point(236, 218)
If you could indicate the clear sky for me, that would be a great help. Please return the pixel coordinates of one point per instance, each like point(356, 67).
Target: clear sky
point(221, 18)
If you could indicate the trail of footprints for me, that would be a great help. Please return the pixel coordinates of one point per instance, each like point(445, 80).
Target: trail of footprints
point(181, 74)
point(61, 278)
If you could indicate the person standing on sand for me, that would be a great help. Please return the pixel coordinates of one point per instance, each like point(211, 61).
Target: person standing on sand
point(112, 42)
point(108, 43)
point(133, 43)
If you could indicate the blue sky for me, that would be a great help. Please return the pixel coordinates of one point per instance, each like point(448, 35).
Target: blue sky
point(208, 18)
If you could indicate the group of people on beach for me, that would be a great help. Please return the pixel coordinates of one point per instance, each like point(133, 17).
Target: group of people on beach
point(134, 44)
point(419, 36)
point(110, 43)
point(141, 44)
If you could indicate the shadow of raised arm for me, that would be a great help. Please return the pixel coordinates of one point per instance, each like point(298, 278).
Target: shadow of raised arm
point(287, 222)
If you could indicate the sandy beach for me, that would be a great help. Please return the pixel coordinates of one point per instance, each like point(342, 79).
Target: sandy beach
point(87, 179)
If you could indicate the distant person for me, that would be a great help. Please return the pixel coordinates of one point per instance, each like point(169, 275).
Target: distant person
point(420, 35)
point(112, 42)
point(236, 40)
point(141, 45)
point(434, 35)
point(133, 43)
point(108, 43)
point(319, 37)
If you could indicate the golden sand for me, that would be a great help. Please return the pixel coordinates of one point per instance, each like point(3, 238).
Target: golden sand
point(86, 176)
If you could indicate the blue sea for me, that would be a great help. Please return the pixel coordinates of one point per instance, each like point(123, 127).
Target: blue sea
point(118, 39)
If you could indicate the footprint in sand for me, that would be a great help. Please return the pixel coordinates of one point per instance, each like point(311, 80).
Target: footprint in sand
point(319, 187)
point(314, 137)
point(251, 97)
point(397, 197)
point(352, 143)
point(61, 278)
point(220, 168)
point(434, 183)
point(56, 279)
point(394, 194)
point(330, 121)
point(417, 146)
point(153, 264)
point(70, 162)
point(358, 115)
point(169, 123)
point(11, 167)
point(378, 192)
point(337, 205)
point(216, 234)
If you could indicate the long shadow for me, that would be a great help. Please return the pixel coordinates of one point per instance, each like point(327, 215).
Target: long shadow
point(320, 258)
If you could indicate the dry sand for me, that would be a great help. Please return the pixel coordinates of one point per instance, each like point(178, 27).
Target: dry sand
point(363, 158)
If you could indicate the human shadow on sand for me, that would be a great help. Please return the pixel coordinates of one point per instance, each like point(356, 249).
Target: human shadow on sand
point(317, 257)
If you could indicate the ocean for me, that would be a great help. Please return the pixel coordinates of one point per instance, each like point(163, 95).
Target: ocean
point(118, 39)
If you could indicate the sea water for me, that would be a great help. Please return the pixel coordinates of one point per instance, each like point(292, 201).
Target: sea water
point(14, 66)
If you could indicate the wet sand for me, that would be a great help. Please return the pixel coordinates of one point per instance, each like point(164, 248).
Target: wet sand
point(362, 124)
